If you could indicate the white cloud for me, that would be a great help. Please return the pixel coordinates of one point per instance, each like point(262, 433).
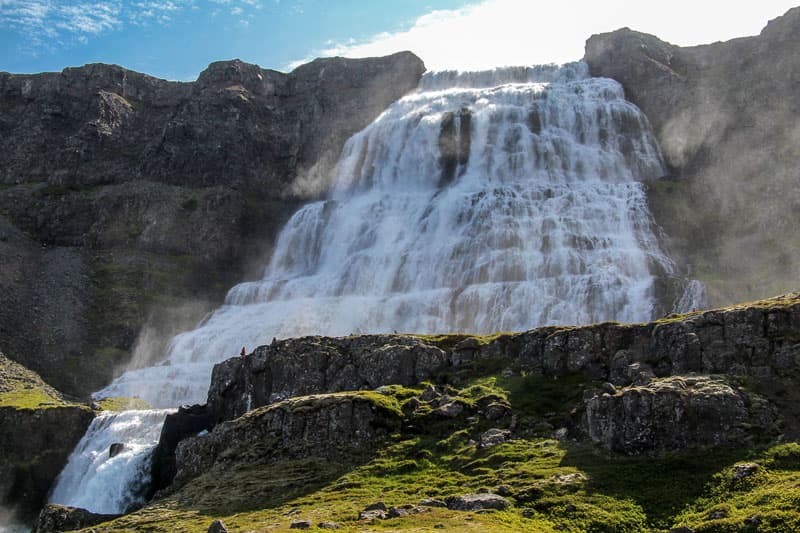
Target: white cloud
point(520, 32)
point(49, 24)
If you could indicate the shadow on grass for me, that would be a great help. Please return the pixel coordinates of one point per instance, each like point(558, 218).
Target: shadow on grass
point(662, 486)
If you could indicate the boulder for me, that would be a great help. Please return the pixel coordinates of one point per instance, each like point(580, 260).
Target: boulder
point(476, 502)
point(676, 413)
point(217, 526)
point(55, 518)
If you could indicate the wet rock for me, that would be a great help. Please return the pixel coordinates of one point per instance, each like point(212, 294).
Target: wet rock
point(217, 526)
point(55, 518)
point(186, 422)
point(676, 413)
point(115, 449)
point(476, 502)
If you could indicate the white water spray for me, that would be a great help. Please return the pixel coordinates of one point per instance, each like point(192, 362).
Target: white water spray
point(496, 201)
point(96, 481)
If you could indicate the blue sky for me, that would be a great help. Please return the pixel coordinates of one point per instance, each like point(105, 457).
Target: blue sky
point(176, 39)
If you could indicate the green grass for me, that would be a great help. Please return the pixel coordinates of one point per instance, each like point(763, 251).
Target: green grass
point(121, 403)
point(553, 485)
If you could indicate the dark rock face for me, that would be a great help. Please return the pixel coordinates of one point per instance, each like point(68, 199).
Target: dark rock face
point(761, 340)
point(187, 422)
point(55, 518)
point(38, 431)
point(311, 365)
point(326, 426)
point(128, 202)
point(726, 117)
point(676, 413)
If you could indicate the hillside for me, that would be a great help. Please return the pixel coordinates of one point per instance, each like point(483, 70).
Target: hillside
point(608, 427)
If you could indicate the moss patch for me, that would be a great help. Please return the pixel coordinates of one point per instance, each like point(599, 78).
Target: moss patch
point(122, 403)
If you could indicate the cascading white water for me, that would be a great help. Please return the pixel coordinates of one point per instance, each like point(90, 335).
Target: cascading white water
point(482, 202)
point(96, 481)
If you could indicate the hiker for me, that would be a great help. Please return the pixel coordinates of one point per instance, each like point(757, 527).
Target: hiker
point(244, 352)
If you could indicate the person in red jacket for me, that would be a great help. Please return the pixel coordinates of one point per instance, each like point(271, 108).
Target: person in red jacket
point(244, 352)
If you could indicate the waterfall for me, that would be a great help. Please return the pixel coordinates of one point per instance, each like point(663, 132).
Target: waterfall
point(96, 481)
point(494, 201)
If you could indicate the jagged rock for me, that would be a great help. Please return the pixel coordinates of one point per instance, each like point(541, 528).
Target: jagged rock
point(145, 187)
point(115, 449)
point(675, 413)
point(327, 426)
point(493, 437)
point(300, 524)
point(217, 526)
point(311, 365)
point(476, 502)
point(56, 518)
point(186, 422)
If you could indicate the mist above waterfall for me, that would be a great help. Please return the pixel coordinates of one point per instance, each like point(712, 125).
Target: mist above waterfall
point(482, 202)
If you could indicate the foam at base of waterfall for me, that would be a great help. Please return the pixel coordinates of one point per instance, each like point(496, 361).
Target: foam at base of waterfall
point(94, 480)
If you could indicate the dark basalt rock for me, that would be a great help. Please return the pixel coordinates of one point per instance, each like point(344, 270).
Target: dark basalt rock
point(55, 518)
point(115, 449)
point(311, 365)
point(326, 426)
point(188, 421)
point(677, 413)
point(476, 502)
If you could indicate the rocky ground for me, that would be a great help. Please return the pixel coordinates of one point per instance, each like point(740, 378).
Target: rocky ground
point(608, 427)
point(726, 117)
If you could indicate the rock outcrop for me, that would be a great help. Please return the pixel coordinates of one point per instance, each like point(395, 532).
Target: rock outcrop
point(130, 204)
point(312, 365)
point(328, 426)
point(677, 413)
point(56, 518)
point(188, 421)
point(38, 430)
point(726, 117)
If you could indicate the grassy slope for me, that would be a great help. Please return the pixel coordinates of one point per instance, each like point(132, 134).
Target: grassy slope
point(21, 388)
point(611, 493)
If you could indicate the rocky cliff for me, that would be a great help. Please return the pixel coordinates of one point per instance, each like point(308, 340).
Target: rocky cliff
point(38, 430)
point(129, 204)
point(694, 416)
point(726, 115)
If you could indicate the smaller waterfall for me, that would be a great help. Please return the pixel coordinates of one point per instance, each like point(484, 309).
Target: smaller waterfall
point(94, 480)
